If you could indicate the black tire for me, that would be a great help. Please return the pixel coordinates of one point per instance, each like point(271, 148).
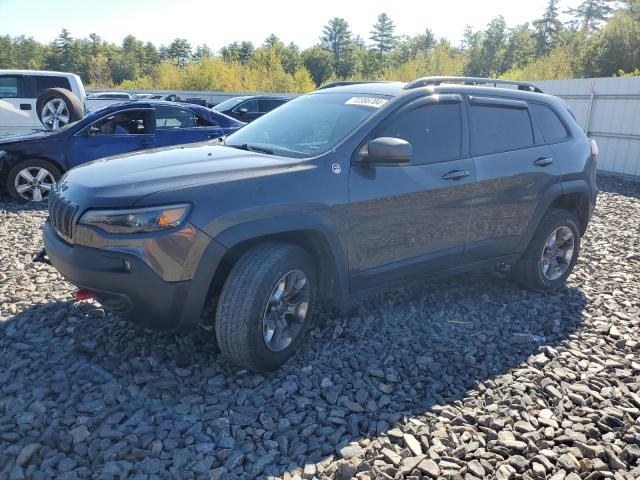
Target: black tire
point(244, 299)
point(528, 271)
point(34, 165)
point(74, 107)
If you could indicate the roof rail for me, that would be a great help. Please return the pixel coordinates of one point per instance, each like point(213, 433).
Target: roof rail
point(426, 81)
point(348, 82)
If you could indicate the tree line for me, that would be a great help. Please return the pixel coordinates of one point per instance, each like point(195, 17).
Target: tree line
point(601, 38)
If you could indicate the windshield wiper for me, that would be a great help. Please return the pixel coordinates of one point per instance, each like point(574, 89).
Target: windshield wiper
point(252, 148)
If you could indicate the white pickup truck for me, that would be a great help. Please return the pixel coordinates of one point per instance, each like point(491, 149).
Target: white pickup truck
point(31, 99)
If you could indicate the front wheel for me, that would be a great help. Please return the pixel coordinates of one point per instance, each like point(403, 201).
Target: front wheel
point(551, 254)
point(266, 305)
point(32, 180)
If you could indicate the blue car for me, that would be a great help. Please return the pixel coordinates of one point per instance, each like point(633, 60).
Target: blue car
point(31, 164)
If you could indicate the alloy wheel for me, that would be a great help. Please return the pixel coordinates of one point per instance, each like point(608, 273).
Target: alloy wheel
point(34, 183)
point(286, 310)
point(55, 114)
point(557, 253)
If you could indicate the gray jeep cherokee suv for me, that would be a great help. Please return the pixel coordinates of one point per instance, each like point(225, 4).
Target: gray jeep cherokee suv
point(339, 193)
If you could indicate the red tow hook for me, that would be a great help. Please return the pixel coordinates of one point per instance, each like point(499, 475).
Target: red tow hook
point(83, 294)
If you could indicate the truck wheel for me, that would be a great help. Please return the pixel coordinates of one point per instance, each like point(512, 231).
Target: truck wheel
point(266, 305)
point(551, 254)
point(57, 107)
point(32, 180)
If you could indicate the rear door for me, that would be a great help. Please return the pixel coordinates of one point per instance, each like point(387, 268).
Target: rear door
point(513, 169)
point(267, 104)
point(178, 125)
point(17, 109)
point(407, 220)
point(115, 133)
point(248, 110)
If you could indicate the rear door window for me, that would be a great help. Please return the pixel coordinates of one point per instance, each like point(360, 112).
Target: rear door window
point(49, 81)
point(174, 117)
point(499, 129)
point(9, 86)
point(434, 131)
point(270, 104)
point(551, 127)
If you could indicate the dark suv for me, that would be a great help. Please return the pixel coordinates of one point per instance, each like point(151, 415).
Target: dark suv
point(338, 194)
point(248, 108)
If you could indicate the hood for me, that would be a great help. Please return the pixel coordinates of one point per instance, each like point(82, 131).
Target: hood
point(22, 137)
point(125, 179)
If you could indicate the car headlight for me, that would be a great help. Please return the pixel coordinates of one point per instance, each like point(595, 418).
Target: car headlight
point(2, 153)
point(138, 220)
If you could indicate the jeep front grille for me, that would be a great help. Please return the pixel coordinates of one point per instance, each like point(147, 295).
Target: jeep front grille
point(62, 215)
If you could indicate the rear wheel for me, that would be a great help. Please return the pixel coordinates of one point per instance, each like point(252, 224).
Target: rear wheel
point(32, 180)
point(551, 254)
point(266, 305)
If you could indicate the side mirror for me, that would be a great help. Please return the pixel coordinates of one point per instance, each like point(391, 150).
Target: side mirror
point(242, 111)
point(387, 150)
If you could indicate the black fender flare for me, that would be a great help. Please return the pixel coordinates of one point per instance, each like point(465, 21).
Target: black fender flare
point(546, 200)
point(292, 223)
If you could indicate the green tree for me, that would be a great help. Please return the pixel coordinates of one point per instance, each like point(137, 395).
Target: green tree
point(179, 51)
point(62, 58)
point(615, 47)
point(520, 49)
point(382, 34)
point(96, 44)
point(406, 48)
point(202, 52)
point(272, 41)
point(336, 38)
point(590, 14)
point(547, 28)
point(291, 59)
point(99, 72)
point(318, 61)
point(632, 7)
point(7, 55)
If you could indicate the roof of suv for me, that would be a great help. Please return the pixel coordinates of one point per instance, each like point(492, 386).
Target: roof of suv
point(37, 72)
point(402, 89)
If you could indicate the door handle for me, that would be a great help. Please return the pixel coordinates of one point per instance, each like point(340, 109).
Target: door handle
point(456, 174)
point(25, 106)
point(543, 161)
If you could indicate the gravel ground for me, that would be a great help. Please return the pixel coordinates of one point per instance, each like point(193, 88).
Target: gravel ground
point(465, 378)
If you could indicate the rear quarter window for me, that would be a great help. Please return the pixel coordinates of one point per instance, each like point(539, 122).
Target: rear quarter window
point(43, 82)
point(550, 125)
point(499, 129)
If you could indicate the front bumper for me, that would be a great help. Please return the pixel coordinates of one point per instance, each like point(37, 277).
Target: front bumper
point(127, 285)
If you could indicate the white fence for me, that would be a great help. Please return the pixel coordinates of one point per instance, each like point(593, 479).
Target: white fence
point(608, 109)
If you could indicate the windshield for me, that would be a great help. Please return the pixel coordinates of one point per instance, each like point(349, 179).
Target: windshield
point(228, 104)
point(308, 125)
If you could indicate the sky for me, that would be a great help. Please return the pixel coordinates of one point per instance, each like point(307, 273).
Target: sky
point(220, 22)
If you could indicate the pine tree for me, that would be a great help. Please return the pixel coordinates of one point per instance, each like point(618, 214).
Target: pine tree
point(202, 52)
point(591, 13)
point(336, 37)
point(382, 34)
point(547, 28)
point(179, 51)
point(272, 41)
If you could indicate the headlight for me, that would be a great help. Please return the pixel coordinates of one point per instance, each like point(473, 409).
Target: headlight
point(138, 220)
point(2, 153)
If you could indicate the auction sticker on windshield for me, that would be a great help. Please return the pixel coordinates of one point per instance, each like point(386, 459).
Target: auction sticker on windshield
point(374, 102)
